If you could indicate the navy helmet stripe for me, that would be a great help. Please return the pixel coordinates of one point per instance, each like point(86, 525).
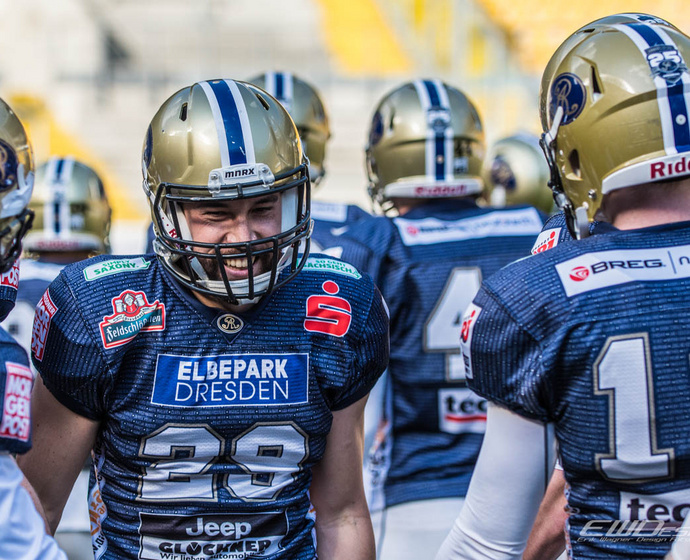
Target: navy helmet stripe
point(280, 86)
point(231, 122)
point(679, 108)
point(673, 108)
point(434, 97)
point(648, 34)
point(439, 143)
point(58, 170)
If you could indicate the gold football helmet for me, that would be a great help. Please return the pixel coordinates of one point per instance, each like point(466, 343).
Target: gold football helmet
point(614, 112)
point(515, 172)
point(16, 184)
point(425, 141)
point(71, 208)
point(226, 140)
point(306, 108)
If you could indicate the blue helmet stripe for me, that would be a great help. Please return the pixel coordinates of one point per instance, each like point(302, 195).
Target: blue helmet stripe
point(673, 107)
point(439, 143)
point(280, 86)
point(231, 122)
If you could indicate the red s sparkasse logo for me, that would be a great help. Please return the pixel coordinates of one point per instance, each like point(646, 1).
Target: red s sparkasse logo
point(328, 314)
point(579, 273)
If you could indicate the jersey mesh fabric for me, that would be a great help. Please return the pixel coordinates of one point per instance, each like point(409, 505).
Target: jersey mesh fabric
point(187, 463)
point(607, 363)
point(429, 265)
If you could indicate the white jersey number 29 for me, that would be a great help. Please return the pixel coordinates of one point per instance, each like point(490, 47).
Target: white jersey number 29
point(181, 456)
point(623, 372)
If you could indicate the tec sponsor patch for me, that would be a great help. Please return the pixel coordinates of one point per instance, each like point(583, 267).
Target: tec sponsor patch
point(45, 310)
point(461, 411)
point(229, 535)
point(670, 506)
point(231, 380)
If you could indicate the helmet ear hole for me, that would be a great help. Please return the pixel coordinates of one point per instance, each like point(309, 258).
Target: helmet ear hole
point(183, 112)
point(596, 83)
point(262, 101)
point(574, 161)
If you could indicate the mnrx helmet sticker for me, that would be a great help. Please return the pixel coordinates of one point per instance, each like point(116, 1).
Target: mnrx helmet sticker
point(666, 62)
point(568, 92)
point(132, 314)
point(328, 314)
point(229, 323)
point(8, 165)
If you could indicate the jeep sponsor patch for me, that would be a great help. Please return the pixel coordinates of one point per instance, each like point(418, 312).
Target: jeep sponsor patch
point(604, 269)
point(229, 535)
point(492, 224)
point(231, 380)
point(16, 412)
point(332, 265)
point(132, 314)
point(108, 268)
point(461, 411)
point(45, 310)
point(670, 506)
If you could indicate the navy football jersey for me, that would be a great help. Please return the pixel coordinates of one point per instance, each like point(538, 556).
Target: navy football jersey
point(592, 336)
point(331, 219)
point(34, 279)
point(429, 264)
point(210, 421)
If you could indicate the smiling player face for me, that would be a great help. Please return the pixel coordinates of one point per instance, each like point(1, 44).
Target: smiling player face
point(235, 221)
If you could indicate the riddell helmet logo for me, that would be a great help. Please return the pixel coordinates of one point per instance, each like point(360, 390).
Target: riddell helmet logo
point(579, 273)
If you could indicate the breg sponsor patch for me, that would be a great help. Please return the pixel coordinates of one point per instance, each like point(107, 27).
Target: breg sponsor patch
point(604, 269)
point(231, 380)
point(229, 535)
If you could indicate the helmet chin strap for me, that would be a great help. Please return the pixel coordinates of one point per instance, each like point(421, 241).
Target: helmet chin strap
point(578, 222)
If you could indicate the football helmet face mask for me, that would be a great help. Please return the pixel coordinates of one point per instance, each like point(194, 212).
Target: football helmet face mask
point(226, 140)
point(307, 110)
point(425, 141)
point(515, 172)
point(71, 208)
point(613, 82)
point(16, 185)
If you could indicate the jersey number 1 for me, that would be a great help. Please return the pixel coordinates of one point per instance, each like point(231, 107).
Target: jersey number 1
point(623, 372)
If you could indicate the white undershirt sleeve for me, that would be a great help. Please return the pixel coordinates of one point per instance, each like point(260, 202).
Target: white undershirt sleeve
point(22, 530)
point(509, 481)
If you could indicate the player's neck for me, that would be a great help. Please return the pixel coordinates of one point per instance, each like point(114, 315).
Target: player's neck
point(220, 304)
point(648, 205)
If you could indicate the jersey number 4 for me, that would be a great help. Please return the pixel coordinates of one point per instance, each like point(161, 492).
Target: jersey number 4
point(623, 372)
point(443, 326)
